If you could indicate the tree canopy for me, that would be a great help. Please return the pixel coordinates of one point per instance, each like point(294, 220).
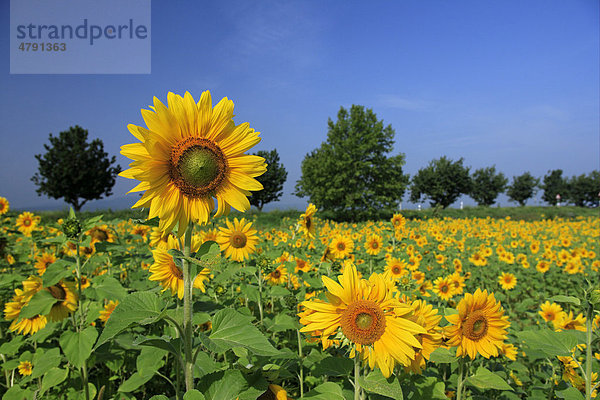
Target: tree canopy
point(272, 180)
point(441, 182)
point(523, 188)
point(486, 185)
point(351, 176)
point(75, 170)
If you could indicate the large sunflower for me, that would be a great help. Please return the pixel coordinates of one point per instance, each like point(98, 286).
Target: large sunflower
point(238, 240)
point(66, 300)
point(341, 246)
point(168, 273)
point(42, 262)
point(478, 327)
point(12, 310)
point(26, 223)
point(307, 225)
point(367, 316)
point(189, 154)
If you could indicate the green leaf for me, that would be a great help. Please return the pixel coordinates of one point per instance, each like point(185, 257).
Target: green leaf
point(283, 322)
point(148, 222)
point(43, 361)
point(231, 329)
point(53, 378)
point(107, 287)
point(569, 394)
point(56, 271)
point(91, 222)
point(40, 304)
point(375, 382)
point(149, 360)
point(325, 391)
point(17, 392)
point(565, 299)
point(222, 385)
point(10, 348)
point(193, 394)
point(333, 366)
point(278, 291)
point(164, 343)
point(429, 388)
point(549, 342)
point(159, 396)
point(134, 381)
point(141, 308)
point(486, 379)
point(442, 356)
point(77, 346)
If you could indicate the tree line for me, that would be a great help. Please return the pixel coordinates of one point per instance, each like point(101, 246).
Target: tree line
point(350, 176)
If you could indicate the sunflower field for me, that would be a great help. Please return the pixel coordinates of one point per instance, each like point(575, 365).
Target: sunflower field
point(186, 302)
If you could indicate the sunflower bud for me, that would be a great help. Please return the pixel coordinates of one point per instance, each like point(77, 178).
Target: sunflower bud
point(219, 290)
point(72, 228)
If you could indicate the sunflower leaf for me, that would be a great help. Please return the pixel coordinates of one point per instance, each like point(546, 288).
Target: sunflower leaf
point(486, 379)
point(375, 382)
point(565, 299)
point(77, 346)
point(141, 308)
point(55, 272)
point(549, 342)
point(40, 304)
point(230, 329)
point(442, 356)
point(326, 391)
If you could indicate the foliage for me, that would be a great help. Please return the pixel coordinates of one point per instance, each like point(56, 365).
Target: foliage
point(441, 182)
point(350, 176)
point(272, 180)
point(486, 185)
point(584, 190)
point(554, 184)
point(523, 187)
point(74, 169)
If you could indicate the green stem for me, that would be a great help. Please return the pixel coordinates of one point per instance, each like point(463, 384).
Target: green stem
point(301, 366)
point(356, 376)
point(79, 327)
point(459, 384)
point(187, 311)
point(588, 351)
point(84, 379)
point(260, 306)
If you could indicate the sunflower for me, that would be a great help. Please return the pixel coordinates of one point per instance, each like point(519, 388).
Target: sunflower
point(25, 368)
point(550, 311)
point(368, 317)
point(24, 326)
point(108, 309)
point(168, 273)
point(507, 280)
point(396, 268)
point(101, 233)
point(341, 246)
point(373, 245)
point(141, 230)
point(509, 351)
point(302, 265)
point(42, 262)
point(458, 282)
point(190, 154)
point(398, 221)
point(26, 223)
point(307, 225)
point(444, 288)
point(542, 266)
point(238, 240)
point(66, 300)
point(278, 276)
point(566, 321)
point(4, 206)
point(209, 235)
point(478, 327)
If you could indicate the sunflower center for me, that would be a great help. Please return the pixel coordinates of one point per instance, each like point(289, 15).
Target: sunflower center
point(444, 289)
point(341, 246)
point(27, 222)
point(308, 222)
point(476, 325)
point(396, 270)
point(276, 274)
point(363, 322)
point(238, 240)
point(100, 235)
point(374, 245)
point(197, 166)
point(58, 292)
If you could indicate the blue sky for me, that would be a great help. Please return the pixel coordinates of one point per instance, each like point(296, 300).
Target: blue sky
point(508, 83)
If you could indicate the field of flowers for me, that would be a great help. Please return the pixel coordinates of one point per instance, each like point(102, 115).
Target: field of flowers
point(419, 309)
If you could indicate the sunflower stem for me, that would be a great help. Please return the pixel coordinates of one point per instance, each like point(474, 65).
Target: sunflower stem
point(301, 377)
point(260, 306)
point(357, 390)
point(459, 384)
point(187, 311)
point(588, 351)
point(84, 371)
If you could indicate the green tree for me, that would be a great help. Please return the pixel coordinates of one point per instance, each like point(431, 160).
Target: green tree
point(583, 190)
point(272, 180)
point(554, 184)
point(74, 169)
point(441, 182)
point(486, 185)
point(523, 187)
point(350, 176)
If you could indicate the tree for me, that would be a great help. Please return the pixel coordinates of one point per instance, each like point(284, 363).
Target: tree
point(523, 187)
point(486, 185)
point(583, 190)
point(554, 184)
point(272, 180)
point(74, 169)
point(441, 182)
point(350, 176)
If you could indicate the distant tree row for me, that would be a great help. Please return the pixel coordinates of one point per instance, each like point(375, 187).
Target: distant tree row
point(352, 177)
